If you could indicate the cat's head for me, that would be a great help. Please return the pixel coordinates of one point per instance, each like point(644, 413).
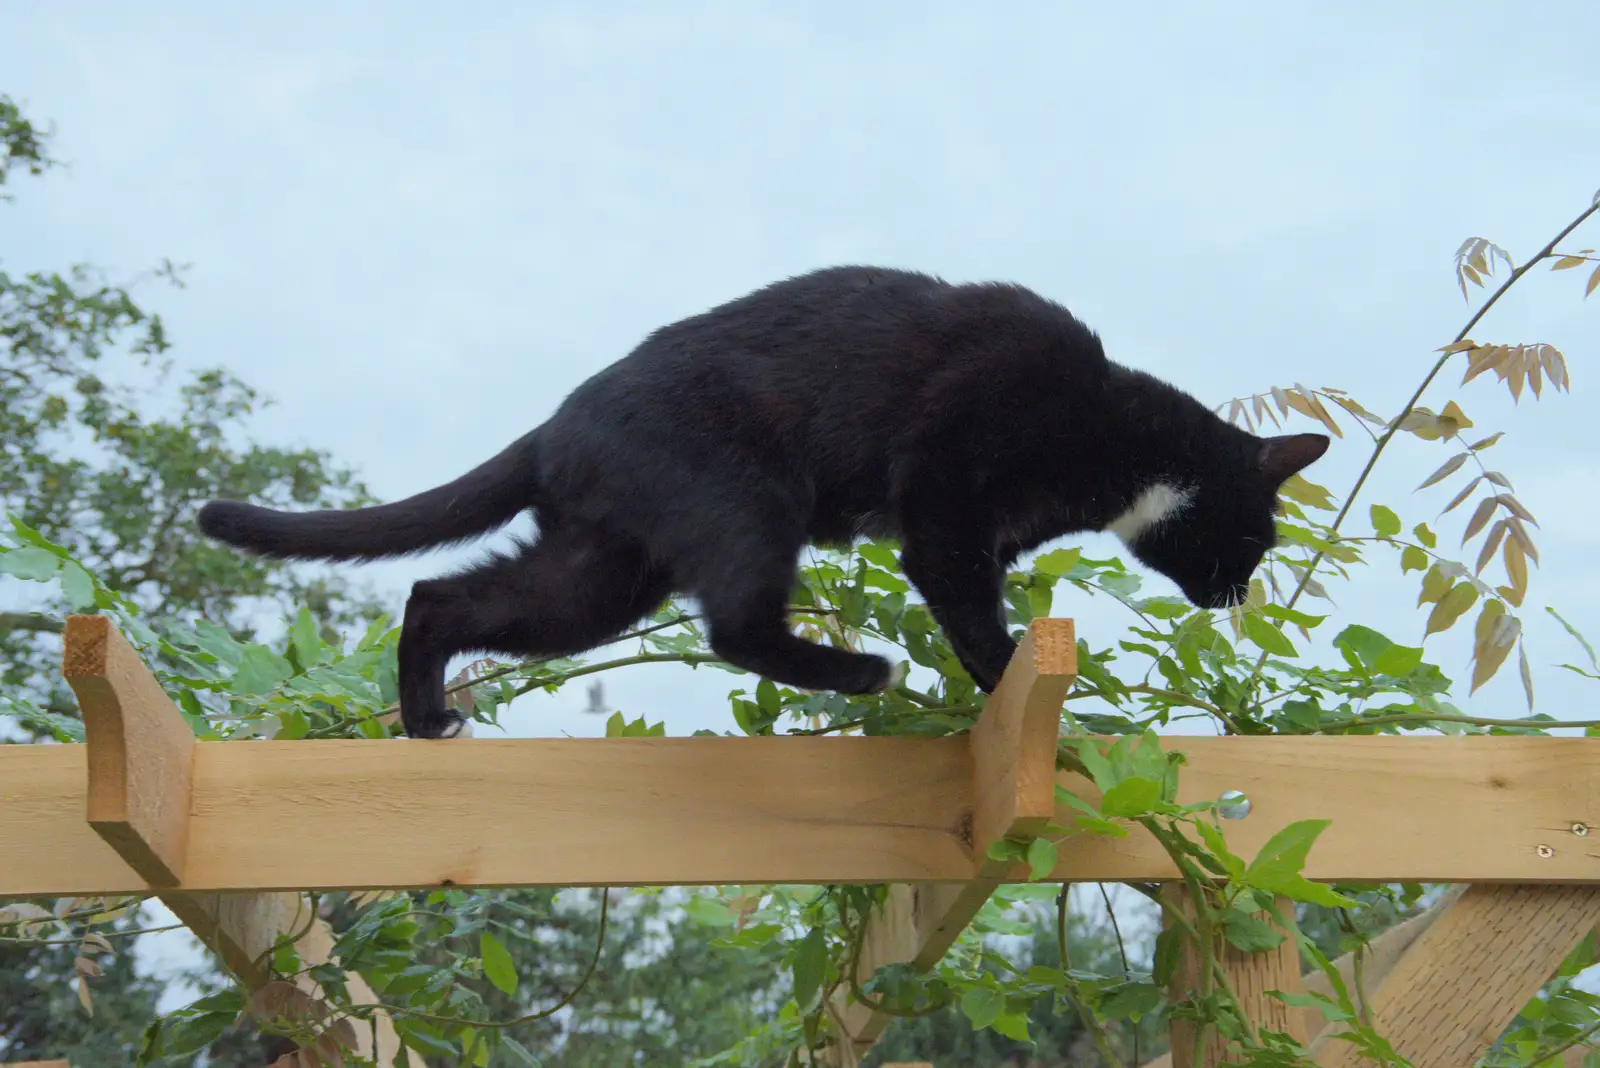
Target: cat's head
point(1209, 534)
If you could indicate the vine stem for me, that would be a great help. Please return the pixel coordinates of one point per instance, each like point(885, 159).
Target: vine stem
point(500, 1025)
point(1394, 426)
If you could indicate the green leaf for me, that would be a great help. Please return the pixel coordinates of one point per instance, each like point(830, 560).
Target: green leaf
point(77, 586)
point(1426, 536)
point(519, 1051)
point(307, 642)
point(1267, 636)
point(1250, 933)
point(1230, 861)
point(982, 1006)
point(810, 967)
point(1014, 1025)
point(702, 908)
point(1131, 1000)
point(30, 563)
point(1041, 858)
point(423, 1040)
point(1093, 825)
point(615, 725)
point(1330, 1010)
point(1057, 562)
point(1399, 660)
point(881, 555)
point(1413, 559)
point(498, 966)
point(260, 671)
point(1287, 850)
point(1384, 521)
point(767, 697)
point(1169, 943)
point(1131, 797)
point(187, 1034)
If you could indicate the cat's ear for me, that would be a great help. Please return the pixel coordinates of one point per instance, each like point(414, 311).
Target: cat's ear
point(1289, 454)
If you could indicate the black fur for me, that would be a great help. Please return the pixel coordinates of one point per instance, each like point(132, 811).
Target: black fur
point(972, 422)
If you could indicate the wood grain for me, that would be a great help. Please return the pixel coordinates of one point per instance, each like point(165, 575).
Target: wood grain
point(141, 751)
point(1455, 990)
point(1251, 975)
point(653, 811)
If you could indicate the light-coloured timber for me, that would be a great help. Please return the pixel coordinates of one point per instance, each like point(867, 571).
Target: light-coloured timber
point(61, 1064)
point(1377, 961)
point(1013, 750)
point(1454, 991)
point(1251, 975)
point(139, 787)
point(522, 812)
point(141, 751)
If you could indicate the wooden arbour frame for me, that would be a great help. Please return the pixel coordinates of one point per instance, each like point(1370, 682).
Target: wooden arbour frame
point(229, 835)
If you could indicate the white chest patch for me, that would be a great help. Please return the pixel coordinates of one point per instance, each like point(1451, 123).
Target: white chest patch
point(1155, 505)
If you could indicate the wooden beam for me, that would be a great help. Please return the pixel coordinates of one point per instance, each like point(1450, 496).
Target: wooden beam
point(61, 1064)
point(1251, 975)
point(141, 751)
point(139, 785)
point(332, 814)
point(1464, 980)
point(1013, 751)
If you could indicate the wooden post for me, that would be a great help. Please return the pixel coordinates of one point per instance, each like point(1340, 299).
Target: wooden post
point(1455, 990)
point(1251, 975)
point(140, 753)
point(1013, 759)
point(1377, 961)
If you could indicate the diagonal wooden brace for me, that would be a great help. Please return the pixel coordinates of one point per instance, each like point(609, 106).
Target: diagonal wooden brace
point(1013, 754)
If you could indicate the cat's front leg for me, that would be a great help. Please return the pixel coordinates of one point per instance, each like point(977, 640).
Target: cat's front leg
point(961, 581)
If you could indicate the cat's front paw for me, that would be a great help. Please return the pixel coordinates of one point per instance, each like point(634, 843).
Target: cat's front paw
point(435, 723)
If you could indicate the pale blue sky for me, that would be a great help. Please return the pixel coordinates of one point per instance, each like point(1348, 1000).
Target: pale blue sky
point(418, 226)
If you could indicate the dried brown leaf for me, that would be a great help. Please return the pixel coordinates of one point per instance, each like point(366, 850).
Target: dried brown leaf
point(1594, 283)
point(1488, 442)
point(1479, 519)
point(1281, 399)
point(1514, 378)
point(1300, 401)
point(1478, 262)
point(1471, 275)
point(1235, 410)
point(1450, 467)
point(1527, 675)
point(1514, 506)
point(331, 1050)
point(87, 966)
point(83, 995)
point(95, 942)
point(1530, 367)
point(1466, 491)
point(1451, 607)
point(1480, 361)
point(1566, 262)
point(1516, 561)
point(1458, 346)
point(1490, 544)
point(1498, 479)
point(1519, 532)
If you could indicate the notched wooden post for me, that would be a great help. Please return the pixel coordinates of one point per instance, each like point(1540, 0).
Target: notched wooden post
point(1013, 748)
point(140, 749)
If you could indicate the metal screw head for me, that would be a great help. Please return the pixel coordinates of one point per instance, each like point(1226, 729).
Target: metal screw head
point(1580, 829)
point(1233, 805)
point(1545, 852)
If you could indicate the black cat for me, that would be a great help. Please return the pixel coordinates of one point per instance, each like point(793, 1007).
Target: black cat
point(972, 422)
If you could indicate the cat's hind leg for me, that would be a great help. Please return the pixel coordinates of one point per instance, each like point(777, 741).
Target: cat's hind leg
point(569, 591)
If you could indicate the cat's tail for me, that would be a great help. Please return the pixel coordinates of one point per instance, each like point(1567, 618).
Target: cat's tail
point(480, 501)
